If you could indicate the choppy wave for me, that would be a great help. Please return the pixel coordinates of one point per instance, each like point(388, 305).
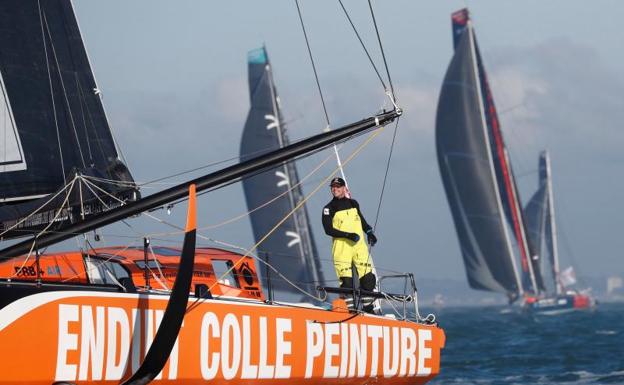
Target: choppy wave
point(498, 346)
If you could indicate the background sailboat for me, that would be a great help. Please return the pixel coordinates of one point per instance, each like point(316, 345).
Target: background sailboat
point(481, 187)
point(291, 248)
point(540, 214)
point(467, 155)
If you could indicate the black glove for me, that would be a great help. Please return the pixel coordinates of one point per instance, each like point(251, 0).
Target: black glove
point(353, 237)
point(372, 239)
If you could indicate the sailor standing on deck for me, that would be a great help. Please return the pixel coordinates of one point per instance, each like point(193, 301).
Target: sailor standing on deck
point(344, 222)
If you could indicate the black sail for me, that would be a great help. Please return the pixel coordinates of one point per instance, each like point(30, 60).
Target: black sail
point(290, 248)
point(538, 219)
point(467, 171)
point(51, 119)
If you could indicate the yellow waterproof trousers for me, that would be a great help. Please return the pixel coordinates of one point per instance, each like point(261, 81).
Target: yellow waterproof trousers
point(347, 252)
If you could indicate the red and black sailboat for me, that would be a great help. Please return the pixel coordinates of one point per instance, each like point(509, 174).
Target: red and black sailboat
point(540, 215)
point(122, 315)
point(474, 169)
point(479, 181)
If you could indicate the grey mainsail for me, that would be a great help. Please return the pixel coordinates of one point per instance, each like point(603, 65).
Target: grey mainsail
point(467, 169)
point(52, 122)
point(290, 248)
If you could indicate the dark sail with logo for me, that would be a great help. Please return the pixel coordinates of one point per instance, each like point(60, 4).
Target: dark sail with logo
point(290, 248)
point(52, 123)
point(466, 165)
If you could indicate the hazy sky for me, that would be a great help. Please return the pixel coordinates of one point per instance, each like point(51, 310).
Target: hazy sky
point(173, 76)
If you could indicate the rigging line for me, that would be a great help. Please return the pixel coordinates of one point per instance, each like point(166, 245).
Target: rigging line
point(67, 186)
point(291, 283)
point(82, 114)
point(569, 251)
point(108, 273)
point(244, 157)
point(98, 139)
point(383, 185)
point(94, 265)
point(157, 237)
point(162, 222)
point(225, 184)
point(34, 243)
point(318, 84)
point(389, 301)
point(113, 181)
point(162, 283)
point(122, 202)
point(234, 219)
point(107, 206)
point(69, 109)
point(370, 59)
point(289, 170)
point(300, 204)
point(238, 180)
point(82, 210)
point(45, 52)
point(368, 261)
point(350, 317)
point(383, 55)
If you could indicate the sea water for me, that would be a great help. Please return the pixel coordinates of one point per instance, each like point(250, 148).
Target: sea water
point(499, 345)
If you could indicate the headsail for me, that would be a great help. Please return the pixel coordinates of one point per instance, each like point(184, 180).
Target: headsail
point(291, 248)
point(51, 117)
point(539, 213)
point(466, 164)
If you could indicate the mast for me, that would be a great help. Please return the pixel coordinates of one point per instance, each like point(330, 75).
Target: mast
point(489, 151)
point(281, 141)
point(291, 247)
point(553, 227)
point(306, 245)
point(523, 238)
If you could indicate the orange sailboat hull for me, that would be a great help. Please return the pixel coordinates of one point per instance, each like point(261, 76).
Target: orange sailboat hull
point(87, 337)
